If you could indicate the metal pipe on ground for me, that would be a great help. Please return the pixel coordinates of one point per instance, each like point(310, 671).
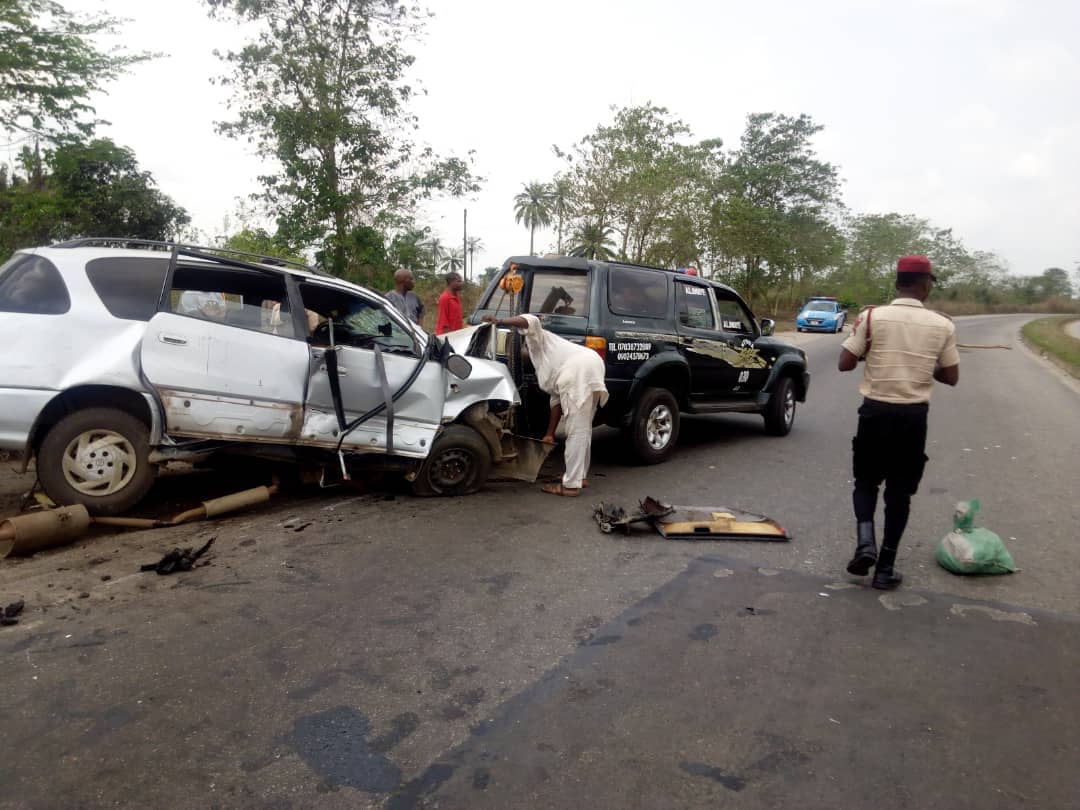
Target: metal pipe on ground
point(28, 534)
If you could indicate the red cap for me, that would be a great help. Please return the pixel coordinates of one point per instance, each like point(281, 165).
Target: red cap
point(916, 265)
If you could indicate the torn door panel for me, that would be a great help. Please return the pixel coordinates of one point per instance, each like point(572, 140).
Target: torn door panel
point(204, 415)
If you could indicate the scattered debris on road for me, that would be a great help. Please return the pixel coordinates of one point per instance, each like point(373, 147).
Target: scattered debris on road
point(690, 522)
point(9, 615)
point(610, 516)
point(179, 559)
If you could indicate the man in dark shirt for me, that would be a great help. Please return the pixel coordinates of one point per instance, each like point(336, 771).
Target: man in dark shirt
point(404, 299)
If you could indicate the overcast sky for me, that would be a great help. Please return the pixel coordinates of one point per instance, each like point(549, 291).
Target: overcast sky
point(964, 112)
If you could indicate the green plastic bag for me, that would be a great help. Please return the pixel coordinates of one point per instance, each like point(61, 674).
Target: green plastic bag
point(968, 549)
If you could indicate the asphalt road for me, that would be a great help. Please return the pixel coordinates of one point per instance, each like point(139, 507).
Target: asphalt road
point(347, 650)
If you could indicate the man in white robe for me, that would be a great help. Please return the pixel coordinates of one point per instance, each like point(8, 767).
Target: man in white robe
point(573, 376)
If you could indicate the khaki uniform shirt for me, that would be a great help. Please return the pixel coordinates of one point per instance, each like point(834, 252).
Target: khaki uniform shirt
point(907, 341)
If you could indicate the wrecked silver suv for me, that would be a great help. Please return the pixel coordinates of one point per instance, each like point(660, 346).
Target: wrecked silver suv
point(119, 356)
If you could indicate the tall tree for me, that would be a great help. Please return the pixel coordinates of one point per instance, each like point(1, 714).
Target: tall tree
point(532, 207)
point(50, 65)
point(774, 177)
point(322, 93)
point(1055, 283)
point(475, 245)
point(255, 241)
point(562, 200)
point(639, 176)
point(408, 249)
point(876, 241)
point(93, 189)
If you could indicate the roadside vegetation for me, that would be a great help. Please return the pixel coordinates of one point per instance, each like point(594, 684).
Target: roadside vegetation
point(1049, 335)
point(322, 91)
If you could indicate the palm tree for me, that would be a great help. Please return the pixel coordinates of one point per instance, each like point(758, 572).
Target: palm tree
point(453, 261)
point(533, 208)
point(435, 250)
point(561, 203)
point(593, 242)
point(475, 246)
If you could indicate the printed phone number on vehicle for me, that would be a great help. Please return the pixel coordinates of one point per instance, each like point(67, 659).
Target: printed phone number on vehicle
point(632, 351)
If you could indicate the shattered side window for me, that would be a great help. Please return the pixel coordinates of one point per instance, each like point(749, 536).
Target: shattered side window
point(357, 322)
point(32, 285)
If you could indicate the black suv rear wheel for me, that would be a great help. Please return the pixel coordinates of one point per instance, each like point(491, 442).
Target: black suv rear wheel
point(654, 425)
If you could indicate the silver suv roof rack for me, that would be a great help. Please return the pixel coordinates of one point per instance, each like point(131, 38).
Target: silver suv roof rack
point(195, 251)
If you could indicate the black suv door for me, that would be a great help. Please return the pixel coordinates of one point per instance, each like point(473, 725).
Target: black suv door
point(740, 332)
point(711, 374)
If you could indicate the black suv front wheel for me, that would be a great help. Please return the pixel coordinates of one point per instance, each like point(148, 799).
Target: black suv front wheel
point(654, 425)
point(780, 411)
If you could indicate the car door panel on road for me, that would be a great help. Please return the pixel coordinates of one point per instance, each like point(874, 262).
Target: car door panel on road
point(359, 325)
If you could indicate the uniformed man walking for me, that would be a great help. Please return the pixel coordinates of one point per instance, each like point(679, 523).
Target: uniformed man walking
point(906, 347)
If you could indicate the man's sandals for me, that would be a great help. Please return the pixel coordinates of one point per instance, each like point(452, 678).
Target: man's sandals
point(557, 488)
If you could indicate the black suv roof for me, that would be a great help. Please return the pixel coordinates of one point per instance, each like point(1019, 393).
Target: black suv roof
point(578, 263)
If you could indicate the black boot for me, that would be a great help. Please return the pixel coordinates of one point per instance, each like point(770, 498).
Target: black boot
point(885, 576)
point(865, 550)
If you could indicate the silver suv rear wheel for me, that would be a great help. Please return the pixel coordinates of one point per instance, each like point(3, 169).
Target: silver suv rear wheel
point(98, 457)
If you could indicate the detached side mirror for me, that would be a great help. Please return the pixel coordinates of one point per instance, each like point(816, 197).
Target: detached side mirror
point(457, 365)
point(767, 326)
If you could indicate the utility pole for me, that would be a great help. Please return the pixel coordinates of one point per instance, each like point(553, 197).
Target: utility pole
point(465, 244)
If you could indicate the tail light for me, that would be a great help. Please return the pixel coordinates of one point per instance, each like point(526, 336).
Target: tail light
point(598, 345)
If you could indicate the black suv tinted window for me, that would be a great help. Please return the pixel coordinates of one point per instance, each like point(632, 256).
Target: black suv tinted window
point(32, 284)
point(733, 318)
point(129, 287)
point(695, 306)
point(556, 293)
point(638, 293)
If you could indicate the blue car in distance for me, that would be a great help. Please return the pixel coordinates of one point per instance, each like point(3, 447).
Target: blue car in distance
point(821, 315)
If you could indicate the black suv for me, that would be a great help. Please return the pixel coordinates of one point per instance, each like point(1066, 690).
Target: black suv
point(672, 343)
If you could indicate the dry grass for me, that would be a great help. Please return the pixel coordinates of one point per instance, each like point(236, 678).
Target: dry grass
point(1048, 334)
point(1052, 306)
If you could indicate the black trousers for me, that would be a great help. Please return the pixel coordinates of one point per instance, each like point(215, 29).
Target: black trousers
point(889, 448)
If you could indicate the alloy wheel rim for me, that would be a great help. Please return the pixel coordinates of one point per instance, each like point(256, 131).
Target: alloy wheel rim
point(99, 462)
point(789, 407)
point(659, 427)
